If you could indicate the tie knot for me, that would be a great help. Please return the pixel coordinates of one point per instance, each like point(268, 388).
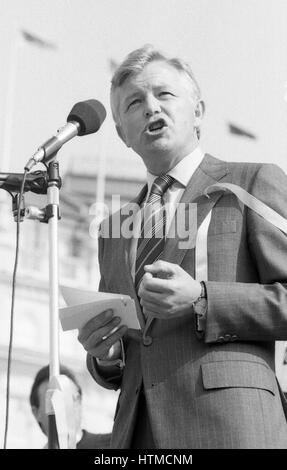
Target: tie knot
point(161, 184)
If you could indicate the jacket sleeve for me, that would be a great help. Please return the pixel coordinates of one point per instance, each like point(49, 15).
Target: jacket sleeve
point(255, 311)
point(108, 376)
point(111, 379)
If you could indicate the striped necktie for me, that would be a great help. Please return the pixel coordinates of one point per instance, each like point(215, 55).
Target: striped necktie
point(152, 235)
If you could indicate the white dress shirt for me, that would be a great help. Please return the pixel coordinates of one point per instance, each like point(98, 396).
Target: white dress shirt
point(181, 173)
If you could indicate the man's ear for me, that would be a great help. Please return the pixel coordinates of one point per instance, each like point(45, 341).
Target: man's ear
point(122, 135)
point(199, 113)
point(35, 411)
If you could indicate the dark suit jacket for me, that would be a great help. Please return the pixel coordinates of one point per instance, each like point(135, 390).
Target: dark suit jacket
point(219, 391)
point(94, 441)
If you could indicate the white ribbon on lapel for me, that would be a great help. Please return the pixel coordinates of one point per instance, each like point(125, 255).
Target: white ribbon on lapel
point(269, 214)
point(201, 261)
point(253, 203)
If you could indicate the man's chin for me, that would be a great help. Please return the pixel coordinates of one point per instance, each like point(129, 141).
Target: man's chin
point(157, 148)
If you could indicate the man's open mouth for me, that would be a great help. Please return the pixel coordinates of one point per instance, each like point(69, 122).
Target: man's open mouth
point(156, 126)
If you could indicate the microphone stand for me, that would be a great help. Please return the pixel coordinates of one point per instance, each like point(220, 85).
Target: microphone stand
point(49, 183)
point(52, 216)
point(56, 382)
point(42, 183)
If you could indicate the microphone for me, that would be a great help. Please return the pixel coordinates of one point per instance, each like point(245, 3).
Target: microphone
point(86, 117)
point(37, 182)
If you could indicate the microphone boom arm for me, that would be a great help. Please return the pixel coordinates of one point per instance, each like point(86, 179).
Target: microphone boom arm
point(36, 182)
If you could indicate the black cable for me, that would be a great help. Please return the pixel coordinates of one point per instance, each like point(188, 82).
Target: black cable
point(12, 310)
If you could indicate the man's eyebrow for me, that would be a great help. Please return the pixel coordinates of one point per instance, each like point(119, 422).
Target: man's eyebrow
point(131, 96)
point(136, 93)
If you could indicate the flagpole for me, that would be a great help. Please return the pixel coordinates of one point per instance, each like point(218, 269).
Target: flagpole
point(11, 92)
point(102, 168)
point(10, 104)
point(101, 174)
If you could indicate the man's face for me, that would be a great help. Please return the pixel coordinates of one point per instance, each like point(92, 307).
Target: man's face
point(40, 412)
point(157, 115)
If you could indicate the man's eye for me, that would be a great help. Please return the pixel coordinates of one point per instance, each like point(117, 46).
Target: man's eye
point(163, 93)
point(136, 101)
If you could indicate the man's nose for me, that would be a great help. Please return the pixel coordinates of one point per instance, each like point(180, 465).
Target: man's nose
point(152, 106)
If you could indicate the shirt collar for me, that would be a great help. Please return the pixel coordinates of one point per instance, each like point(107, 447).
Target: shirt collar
point(183, 170)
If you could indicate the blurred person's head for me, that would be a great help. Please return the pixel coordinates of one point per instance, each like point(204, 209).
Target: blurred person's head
point(38, 396)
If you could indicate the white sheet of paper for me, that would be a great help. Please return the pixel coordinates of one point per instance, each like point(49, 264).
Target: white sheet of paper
point(83, 305)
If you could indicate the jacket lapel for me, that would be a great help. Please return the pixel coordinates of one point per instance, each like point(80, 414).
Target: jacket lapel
point(210, 171)
point(125, 280)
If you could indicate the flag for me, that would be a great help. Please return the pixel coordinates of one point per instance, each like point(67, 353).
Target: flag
point(235, 130)
point(29, 37)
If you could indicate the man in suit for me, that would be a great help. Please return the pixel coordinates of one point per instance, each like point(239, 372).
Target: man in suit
point(200, 373)
point(84, 438)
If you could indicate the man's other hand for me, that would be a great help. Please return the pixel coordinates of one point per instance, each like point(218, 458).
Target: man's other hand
point(167, 291)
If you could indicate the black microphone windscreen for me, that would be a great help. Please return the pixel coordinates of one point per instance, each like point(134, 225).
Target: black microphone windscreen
point(90, 114)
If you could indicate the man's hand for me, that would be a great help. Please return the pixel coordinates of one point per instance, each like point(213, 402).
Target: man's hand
point(101, 336)
point(167, 291)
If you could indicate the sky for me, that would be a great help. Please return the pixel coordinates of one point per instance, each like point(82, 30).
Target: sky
point(237, 50)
